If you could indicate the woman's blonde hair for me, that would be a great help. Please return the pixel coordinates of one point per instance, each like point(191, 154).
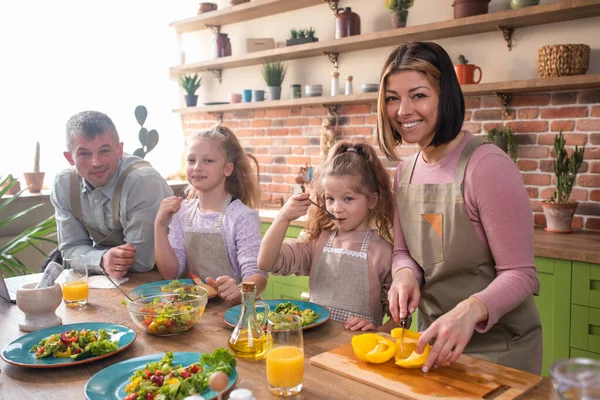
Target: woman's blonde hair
point(431, 60)
point(353, 160)
point(242, 183)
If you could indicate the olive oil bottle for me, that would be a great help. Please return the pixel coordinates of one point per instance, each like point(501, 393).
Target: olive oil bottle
point(248, 339)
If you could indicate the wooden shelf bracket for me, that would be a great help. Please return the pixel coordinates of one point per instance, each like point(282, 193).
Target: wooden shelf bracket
point(507, 35)
point(333, 58)
point(217, 74)
point(333, 4)
point(505, 100)
point(216, 29)
point(331, 110)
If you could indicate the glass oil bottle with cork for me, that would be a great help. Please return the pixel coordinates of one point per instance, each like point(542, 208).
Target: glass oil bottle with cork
point(248, 339)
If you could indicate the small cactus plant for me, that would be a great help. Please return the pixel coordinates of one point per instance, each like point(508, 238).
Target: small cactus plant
point(565, 168)
point(462, 59)
point(36, 160)
point(148, 139)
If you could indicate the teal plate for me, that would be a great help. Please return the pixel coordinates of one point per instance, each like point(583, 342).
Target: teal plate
point(232, 315)
point(17, 351)
point(110, 383)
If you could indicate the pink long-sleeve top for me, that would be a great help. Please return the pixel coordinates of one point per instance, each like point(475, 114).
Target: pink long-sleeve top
point(500, 212)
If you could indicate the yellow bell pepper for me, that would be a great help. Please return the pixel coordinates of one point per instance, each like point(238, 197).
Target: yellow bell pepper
point(133, 385)
point(65, 354)
point(406, 356)
point(373, 348)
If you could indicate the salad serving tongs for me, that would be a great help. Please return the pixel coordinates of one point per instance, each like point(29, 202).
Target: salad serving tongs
point(115, 285)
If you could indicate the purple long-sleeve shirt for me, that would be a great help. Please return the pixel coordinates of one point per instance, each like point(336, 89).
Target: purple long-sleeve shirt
point(240, 230)
point(499, 210)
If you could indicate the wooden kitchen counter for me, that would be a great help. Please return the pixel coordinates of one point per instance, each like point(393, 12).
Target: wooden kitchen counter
point(210, 333)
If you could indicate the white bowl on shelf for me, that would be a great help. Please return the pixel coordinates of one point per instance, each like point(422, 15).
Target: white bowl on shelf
point(313, 90)
point(369, 87)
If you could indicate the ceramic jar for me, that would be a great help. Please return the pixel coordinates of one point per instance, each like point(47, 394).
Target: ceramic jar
point(347, 23)
point(222, 46)
point(39, 306)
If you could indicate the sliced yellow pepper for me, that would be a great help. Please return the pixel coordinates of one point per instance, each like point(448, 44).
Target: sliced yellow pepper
point(133, 385)
point(373, 348)
point(172, 381)
point(65, 354)
point(406, 356)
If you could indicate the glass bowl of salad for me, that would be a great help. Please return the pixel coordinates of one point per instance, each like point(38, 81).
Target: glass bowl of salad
point(167, 310)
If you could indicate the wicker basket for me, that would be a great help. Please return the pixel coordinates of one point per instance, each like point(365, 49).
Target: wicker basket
point(563, 60)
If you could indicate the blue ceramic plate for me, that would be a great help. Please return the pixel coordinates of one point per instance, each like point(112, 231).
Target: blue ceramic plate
point(17, 352)
point(232, 315)
point(110, 383)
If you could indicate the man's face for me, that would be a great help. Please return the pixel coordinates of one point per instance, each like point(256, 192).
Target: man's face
point(96, 160)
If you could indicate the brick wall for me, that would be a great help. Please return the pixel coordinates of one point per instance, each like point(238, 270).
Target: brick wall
point(285, 140)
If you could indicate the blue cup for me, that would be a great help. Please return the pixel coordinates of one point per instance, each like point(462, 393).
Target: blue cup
point(258, 95)
point(246, 95)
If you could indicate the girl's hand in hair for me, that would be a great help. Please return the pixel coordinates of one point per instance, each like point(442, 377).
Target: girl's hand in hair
point(404, 294)
point(168, 208)
point(356, 323)
point(295, 207)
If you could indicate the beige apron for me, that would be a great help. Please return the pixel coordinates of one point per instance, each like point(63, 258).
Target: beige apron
point(456, 264)
point(341, 282)
point(115, 237)
point(205, 248)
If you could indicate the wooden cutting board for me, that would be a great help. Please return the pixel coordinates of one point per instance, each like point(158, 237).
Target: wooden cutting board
point(468, 378)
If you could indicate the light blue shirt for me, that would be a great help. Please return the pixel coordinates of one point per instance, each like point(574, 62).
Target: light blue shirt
point(142, 192)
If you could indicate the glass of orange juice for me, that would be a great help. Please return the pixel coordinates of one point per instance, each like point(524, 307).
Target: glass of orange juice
point(285, 355)
point(75, 281)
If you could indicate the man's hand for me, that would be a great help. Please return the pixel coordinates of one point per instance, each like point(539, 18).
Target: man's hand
point(355, 323)
point(227, 288)
point(168, 208)
point(117, 260)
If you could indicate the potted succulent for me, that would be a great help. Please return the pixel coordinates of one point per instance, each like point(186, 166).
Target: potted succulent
point(559, 210)
point(504, 138)
point(35, 179)
point(274, 74)
point(399, 10)
point(301, 36)
point(190, 83)
point(465, 72)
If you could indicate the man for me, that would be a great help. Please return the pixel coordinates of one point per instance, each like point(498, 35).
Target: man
point(105, 206)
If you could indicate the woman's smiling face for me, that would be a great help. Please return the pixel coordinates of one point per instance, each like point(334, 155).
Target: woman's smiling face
point(412, 106)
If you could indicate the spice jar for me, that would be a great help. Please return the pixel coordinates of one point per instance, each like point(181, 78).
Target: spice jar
point(335, 83)
point(222, 46)
point(347, 23)
point(348, 85)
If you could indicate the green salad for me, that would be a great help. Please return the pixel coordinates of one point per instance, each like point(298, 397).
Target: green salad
point(76, 344)
point(182, 290)
point(307, 316)
point(161, 380)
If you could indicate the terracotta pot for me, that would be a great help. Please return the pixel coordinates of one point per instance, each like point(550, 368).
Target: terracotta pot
point(559, 217)
point(206, 7)
point(466, 73)
point(467, 8)
point(34, 181)
point(236, 2)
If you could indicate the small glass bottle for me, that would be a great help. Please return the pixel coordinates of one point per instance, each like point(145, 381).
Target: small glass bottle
point(348, 84)
point(248, 339)
point(335, 83)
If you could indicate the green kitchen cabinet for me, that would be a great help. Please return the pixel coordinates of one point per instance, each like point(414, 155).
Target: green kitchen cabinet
point(286, 287)
point(554, 306)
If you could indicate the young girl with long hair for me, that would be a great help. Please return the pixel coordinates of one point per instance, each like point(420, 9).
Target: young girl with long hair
point(215, 231)
point(348, 262)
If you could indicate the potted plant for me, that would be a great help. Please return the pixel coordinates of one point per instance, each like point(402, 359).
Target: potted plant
point(559, 210)
point(399, 10)
point(300, 36)
point(35, 179)
point(274, 74)
point(190, 83)
point(465, 72)
point(13, 183)
point(504, 138)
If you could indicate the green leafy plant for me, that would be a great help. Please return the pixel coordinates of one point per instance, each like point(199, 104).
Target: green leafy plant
point(310, 33)
point(565, 168)
point(274, 73)
point(301, 34)
point(43, 231)
point(293, 34)
point(148, 139)
point(399, 5)
point(190, 83)
point(462, 59)
point(503, 134)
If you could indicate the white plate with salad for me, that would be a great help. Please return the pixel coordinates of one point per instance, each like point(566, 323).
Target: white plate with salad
point(162, 376)
point(66, 345)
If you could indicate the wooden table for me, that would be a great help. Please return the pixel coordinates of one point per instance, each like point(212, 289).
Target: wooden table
point(210, 333)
